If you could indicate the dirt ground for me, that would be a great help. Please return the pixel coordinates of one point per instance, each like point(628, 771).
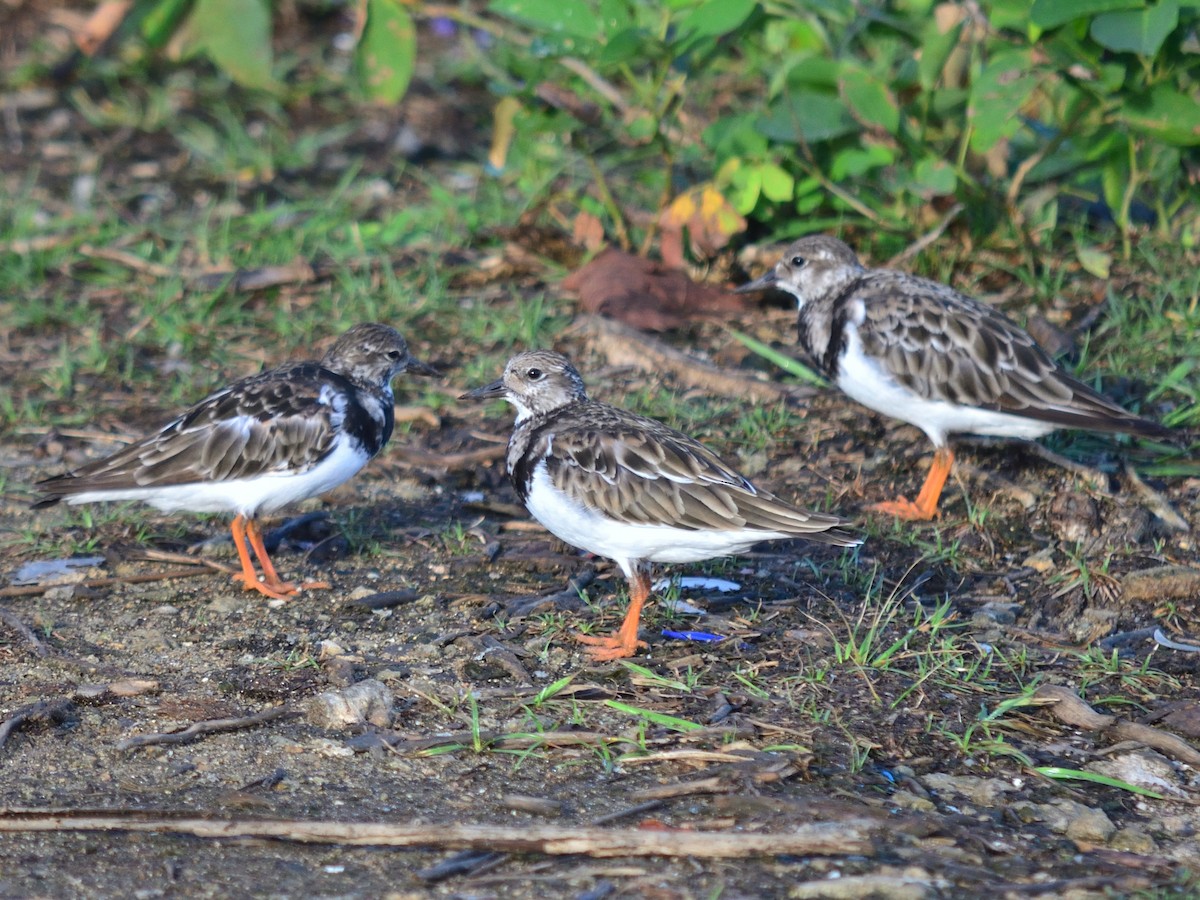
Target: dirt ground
point(436, 683)
point(779, 744)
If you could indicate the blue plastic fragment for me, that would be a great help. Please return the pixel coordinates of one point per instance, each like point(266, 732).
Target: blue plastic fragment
point(702, 636)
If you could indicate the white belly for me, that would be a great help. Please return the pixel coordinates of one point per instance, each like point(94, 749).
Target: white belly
point(243, 496)
point(626, 544)
point(865, 380)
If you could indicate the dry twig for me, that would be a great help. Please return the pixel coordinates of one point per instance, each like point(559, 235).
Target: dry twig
point(845, 838)
point(197, 730)
point(33, 590)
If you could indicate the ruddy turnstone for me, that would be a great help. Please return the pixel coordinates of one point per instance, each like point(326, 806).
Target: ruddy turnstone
point(921, 352)
point(260, 444)
point(630, 488)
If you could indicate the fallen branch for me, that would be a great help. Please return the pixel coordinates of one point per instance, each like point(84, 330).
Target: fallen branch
point(625, 346)
point(1154, 501)
point(411, 456)
point(567, 598)
point(33, 590)
point(846, 838)
point(474, 862)
point(198, 730)
point(1066, 706)
point(42, 709)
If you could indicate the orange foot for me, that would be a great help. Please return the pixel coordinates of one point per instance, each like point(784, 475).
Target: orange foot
point(903, 509)
point(624, 641)
point(277, 591)
point(272, 585)
point(926, 503)
point(609, 647)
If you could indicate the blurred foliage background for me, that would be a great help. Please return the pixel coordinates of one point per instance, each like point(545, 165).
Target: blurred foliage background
point(718, 118)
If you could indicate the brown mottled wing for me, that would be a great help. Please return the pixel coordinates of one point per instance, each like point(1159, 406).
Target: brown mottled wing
point(943, 345)
point(283, 420)
point(638, 470)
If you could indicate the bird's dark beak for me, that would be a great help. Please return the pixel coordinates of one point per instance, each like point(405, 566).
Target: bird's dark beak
point(419, 368)
point(488, 392)
point(764, 281)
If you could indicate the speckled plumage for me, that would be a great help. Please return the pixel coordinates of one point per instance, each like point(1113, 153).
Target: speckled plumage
point(628, 487)
point(262, 442)
point(920, 351)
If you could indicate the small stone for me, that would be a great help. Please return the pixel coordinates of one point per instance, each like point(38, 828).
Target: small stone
point(329, 650)
point(1041, 562)
point(1145, 768)
point(909, 800)
point(132, 687)
point(331, 749)
point(366, 702)
point(984, 791)
point(1133, 840)
point(1091, 827)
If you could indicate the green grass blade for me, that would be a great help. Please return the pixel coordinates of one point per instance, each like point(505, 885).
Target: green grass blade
point(551, 689)
point(657, 718)
point(1059, 773)
point(653, 677)
point(782, 360)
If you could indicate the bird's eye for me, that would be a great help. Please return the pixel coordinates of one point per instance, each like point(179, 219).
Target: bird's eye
point(535, 374)
point(393, 354)
point(798, 262)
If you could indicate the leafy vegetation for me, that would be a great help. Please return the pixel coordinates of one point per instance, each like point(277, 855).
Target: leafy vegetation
point(814, 114)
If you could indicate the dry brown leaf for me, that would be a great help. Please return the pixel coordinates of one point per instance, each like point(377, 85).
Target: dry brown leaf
point(646, 294)
point(588, 231)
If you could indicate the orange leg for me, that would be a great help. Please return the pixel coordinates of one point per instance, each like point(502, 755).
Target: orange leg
point(248, 577)
point(271, 578)
point(926, 505)
point(624, 641)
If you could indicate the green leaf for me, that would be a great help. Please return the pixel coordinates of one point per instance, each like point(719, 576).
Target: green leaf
point(1165, 114)
point(649, 675)
point(871, 99)
point(558, 17)
point(715, 17)
point(387, 52)
point(1052, 13)
point(1060, 774)
point(777, 185)
point(628, 46)
point(551, 689)
point(997, 96)
point(1139, 31)
point(1010, 14)
point(855, 161)
point(932, 177)
point(675, 724)
point(161, 19)
point(236, 36)
point(1094, 261)
point(746, 184)
point(807, 116)
point(936, 46)
point(1113, 178)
